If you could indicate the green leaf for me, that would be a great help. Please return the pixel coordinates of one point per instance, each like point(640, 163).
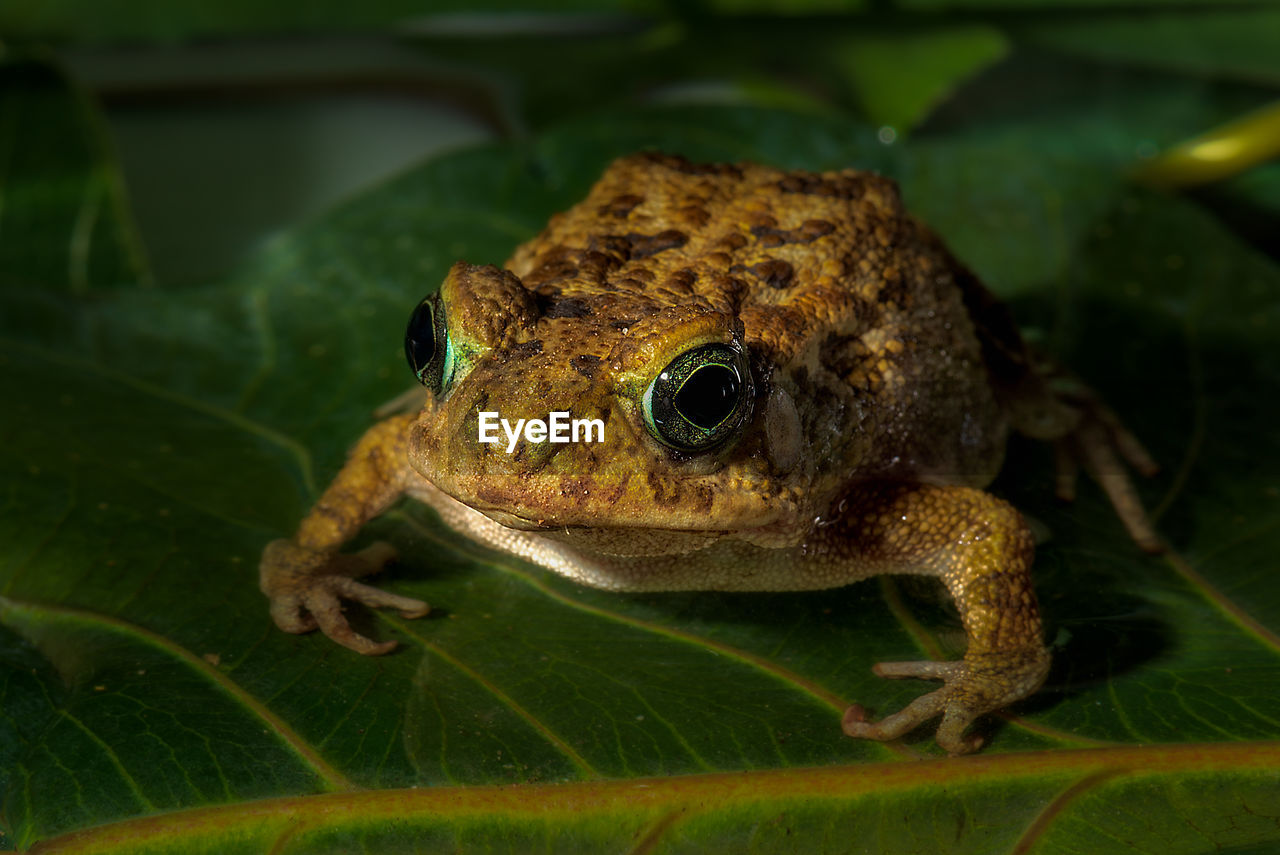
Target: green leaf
point(899, 77)
point(786, 7)
point(1250, 203)
point(894, 74)
point(1232, 42)
point(97, 21)
point(1056, 5)
point(151, 444)
point(63, 218)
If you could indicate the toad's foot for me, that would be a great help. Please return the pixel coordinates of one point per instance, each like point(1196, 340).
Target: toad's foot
point(973, 687)
point(1056, 406)
point(1102, 444)
point(1051, 404)
point(306, 587)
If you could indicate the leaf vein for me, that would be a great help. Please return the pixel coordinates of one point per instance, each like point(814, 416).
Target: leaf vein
point(113, 758)
point(299, 452)
point(540, 727)
point(332, 778)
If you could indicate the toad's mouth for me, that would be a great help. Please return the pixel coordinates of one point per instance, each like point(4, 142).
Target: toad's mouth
point(628, 541)
point(559, 509)
point(686, 512)
point(522, 523)
point(636, 534)
point(517, 522)
point(633, 538)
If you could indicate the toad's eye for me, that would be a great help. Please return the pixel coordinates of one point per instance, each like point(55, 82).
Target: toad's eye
point(701, 398)
point(427, 345)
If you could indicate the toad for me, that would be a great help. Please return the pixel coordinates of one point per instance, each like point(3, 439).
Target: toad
point(796, 387)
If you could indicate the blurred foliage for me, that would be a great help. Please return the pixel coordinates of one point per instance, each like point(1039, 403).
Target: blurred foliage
point(47, 242)
point(1231, 40)
point(892, 61)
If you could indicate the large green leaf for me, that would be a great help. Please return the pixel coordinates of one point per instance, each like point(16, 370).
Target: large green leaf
point(151, 443)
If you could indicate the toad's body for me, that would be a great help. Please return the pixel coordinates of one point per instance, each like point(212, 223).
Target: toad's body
point(799, 388)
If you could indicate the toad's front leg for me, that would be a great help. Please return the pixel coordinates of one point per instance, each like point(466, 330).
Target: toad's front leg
point(306, 578)
point(981, 549)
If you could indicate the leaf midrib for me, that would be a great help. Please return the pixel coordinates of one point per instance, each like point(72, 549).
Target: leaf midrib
point(641, 796)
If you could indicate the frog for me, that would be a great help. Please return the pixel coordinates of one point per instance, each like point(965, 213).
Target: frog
point(798, 387)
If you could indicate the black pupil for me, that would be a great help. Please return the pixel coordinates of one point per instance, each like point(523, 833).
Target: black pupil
point(708, 396)
point(420, 338)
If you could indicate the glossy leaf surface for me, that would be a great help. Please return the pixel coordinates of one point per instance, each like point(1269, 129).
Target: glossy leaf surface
point(152, 442)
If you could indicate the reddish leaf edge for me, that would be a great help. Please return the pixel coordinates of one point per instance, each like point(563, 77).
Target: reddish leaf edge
point(650, 800)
